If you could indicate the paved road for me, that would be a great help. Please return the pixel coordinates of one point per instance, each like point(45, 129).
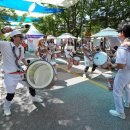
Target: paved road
point(73, 103)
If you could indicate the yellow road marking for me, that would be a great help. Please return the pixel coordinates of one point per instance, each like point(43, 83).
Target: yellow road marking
point(76, 74)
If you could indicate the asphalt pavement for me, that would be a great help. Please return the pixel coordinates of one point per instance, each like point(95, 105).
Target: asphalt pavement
point(74, 102)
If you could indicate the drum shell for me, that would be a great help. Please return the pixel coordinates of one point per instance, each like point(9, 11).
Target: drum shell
point(76, 61)
point(107, 63)
point(100, 59)
point(104, 66)
point(45, 79)
point(57, 54)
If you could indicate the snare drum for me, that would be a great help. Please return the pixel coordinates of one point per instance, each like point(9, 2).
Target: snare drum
point(100, 59)
point(76, 60)
point(56, 54)
point(40, 74)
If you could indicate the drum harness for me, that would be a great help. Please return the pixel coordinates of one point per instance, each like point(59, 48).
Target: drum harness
point(70, 51)
point(20, 69)
point(88, 56)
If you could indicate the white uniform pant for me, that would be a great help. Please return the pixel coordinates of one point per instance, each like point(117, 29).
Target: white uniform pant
point(122, 81)
point(11, 81)
point(87, 61)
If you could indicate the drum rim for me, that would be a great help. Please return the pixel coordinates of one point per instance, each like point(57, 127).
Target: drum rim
point(105, 59)
point(51, 77)
point(56, 52)
point(76, 57)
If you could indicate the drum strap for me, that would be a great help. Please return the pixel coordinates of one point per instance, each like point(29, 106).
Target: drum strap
point(17, 57)
point(18, 72)
point(70, 55)
point(88, 56)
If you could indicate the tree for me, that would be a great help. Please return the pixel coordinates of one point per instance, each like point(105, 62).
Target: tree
point(101, 13)
point(71, 21)
point(4, 12)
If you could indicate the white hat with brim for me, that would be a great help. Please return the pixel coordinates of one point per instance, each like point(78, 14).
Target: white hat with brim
point(15, 32)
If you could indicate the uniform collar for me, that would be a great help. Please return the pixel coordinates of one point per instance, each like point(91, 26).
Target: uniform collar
point(13, 45)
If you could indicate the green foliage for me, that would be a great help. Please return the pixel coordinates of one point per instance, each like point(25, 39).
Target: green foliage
point(6, 12)
point(73, 20)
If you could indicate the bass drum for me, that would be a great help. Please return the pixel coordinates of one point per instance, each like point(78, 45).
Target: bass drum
point(40, 74)
point(100, 58)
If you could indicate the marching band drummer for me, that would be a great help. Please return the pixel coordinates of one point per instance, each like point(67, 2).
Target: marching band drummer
point(87, 56)
point(94, 51)
point(13, 54)
point(122, 79)
point(69, 52)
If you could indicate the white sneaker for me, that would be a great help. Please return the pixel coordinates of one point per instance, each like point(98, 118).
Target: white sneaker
point(6, 107)
point(115, 113)
point(7, 112)
point(36, 99)
point(90, 76)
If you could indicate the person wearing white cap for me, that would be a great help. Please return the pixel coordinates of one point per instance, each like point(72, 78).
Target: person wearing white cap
point(13, 54)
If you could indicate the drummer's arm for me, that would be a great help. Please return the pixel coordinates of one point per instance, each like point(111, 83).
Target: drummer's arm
point(24, 62)
point(37, 53)
point(120, 66)
point(5, 30)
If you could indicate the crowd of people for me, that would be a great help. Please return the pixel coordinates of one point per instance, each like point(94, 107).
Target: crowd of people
point(118, 57)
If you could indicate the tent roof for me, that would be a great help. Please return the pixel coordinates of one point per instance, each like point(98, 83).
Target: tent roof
point(24, 5)
point(51, 37)
point(66, 35)
point(106, 32)
point(33, 31)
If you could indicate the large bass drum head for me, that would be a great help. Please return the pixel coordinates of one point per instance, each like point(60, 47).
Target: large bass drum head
point(100, 58)
point(40, 74)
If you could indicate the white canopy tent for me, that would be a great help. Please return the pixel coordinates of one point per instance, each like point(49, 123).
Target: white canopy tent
point(64, 3)
point(110, 41)
point(114, 41)
point(33, 36)
point(106, 32)
point(66, 35)
point(33, 31)
point(51, 37)
point(111, 36)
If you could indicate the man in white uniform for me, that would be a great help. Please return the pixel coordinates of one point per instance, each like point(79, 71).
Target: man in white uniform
point(13, 54)
point(122, 79)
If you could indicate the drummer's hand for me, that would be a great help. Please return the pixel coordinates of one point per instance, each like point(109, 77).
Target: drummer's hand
point(6, 29)
point(91, 59)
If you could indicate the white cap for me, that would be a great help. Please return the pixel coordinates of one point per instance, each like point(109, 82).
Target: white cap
point(15, 32)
